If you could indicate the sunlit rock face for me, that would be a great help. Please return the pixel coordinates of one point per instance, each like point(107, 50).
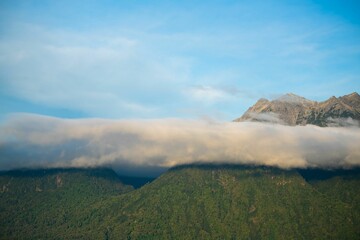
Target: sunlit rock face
point(292, 110)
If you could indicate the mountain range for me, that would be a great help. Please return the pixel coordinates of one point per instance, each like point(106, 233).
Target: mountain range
point(291, 109)
point(195, 201)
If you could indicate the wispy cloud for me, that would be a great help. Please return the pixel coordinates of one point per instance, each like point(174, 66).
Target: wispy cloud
point(139, 59)
point(265, 117)
point(86, 72)
point(342, 122)
point(209, 95)
point(38, 141)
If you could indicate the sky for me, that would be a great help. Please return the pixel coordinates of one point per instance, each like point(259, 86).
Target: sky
point(142, 86)
point(172, 59)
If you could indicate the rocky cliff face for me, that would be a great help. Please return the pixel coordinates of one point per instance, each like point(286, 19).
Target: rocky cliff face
point(291, 109)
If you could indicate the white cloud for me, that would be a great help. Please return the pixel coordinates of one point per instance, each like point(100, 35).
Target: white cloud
point(150, 58)
point(208, 94)
point(342, 122)
point(266, 117)
point(86, 71)
point(37, 141)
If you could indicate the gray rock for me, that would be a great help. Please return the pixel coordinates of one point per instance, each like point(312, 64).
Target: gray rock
point(292, 110)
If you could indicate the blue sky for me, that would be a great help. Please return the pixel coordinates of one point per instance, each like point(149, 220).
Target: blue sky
point(164, 59)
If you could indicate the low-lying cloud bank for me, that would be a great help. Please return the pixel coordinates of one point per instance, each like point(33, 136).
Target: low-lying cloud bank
point(39, 141)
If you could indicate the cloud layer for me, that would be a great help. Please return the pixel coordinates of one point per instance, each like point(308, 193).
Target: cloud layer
point(38, 141)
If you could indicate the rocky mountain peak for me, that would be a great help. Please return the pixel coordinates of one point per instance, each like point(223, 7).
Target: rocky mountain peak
point(354, 94)
point(291, 109)
point(333, 98)
point(262, 100)
point(293, 98)
point(352, 99)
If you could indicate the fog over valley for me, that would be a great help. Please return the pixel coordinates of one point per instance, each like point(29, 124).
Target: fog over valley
point(34, 141)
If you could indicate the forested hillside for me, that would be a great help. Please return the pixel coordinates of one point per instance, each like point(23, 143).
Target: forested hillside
point(187, 202)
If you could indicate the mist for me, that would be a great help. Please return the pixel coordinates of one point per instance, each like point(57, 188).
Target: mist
point(149, 146)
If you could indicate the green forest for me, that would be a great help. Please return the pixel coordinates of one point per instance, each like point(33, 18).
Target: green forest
point(186, 202)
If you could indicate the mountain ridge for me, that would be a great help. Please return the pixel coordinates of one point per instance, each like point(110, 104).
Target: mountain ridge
point(291, 109)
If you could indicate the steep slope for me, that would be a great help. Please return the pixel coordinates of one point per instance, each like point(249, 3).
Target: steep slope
point(228, 202)
point(352, 100)
point(47, 203)
point(291, 109)
point(187, 202)
point(340, 184)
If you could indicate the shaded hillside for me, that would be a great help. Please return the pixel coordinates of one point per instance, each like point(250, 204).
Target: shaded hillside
point(291, 109)
point(228, 202)
point(47, 203)
point(339, 184)
point(187, 202)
